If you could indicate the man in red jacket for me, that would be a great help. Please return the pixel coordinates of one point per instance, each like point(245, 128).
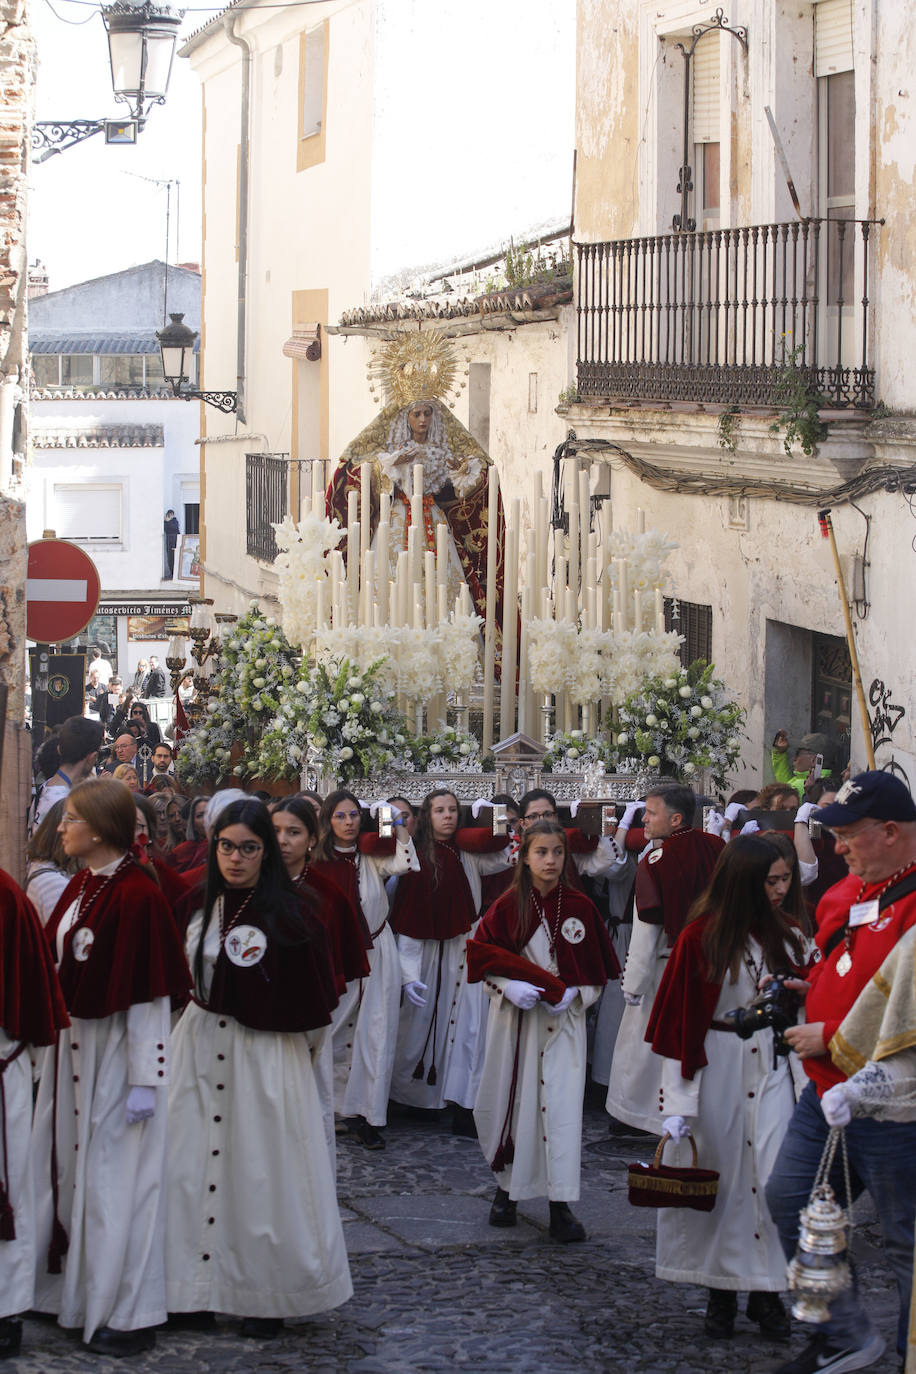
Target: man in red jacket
point(860, 919)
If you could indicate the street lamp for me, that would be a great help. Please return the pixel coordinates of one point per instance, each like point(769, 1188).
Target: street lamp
point(141, 45)
point(176, 344)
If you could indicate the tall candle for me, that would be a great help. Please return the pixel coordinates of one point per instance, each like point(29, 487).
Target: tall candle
point(523, 692)
point(320, 593)
point(353, 572)
point(393, 607)
point(510, 624)
point(489, 637)
point(640, 520)
point(539, 607)
point(318, 506)
point(559, 592)
point(365, 508)
point(442, 603)
point(429, 571)
point(659, 612)
point(584, 520)
point(402, 587)
point(352, 508)
point(381, 561)
point(637, 608)
point(572, 543)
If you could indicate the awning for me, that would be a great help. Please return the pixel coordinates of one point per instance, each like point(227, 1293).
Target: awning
point(139, 342)
point(304, 342)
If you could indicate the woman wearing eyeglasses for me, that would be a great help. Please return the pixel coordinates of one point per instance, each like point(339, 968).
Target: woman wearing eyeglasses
point(366, 1021)
point(99, 1141)
point(253, 1226)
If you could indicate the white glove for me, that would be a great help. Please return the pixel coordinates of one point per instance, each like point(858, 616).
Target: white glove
point(733, 810)
point(803, 814)
point(676, 1127)
point(521, 994)
point(715, 823)
point(836, 1105)
point(626, 820)
point(141, 1104)
point(476, 805)
point(632, 999)
point(566, 1000)
point(750, 828)
point(414, 993)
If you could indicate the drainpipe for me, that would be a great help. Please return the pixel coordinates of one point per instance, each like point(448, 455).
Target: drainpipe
point(244, 145)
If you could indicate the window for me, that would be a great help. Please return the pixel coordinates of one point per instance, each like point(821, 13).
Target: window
point(706, 138)
point(479, 403)
point(694, 622)
point(266, 501)
point(313, 96)
point(89, 511)
point(121, 370)
point(46, 369)
point(836, 98)
point(192, 517)
point(76, 370)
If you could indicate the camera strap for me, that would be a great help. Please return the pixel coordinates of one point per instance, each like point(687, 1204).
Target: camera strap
point(893, 894)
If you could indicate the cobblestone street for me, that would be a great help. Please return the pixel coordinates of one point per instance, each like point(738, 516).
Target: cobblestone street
point(437, 1288)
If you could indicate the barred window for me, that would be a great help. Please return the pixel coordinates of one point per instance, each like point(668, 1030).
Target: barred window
point(267, 501)
point(694, 622)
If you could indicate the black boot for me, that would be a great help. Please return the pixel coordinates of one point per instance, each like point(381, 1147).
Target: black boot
point(261, 1328)
point(369, 1136)
point(767, 1310)
point(10, 1337)
point(721, 1310)
point(463, 1122)
point(563, 1225)
point(502, 1212)
point(108, 1341)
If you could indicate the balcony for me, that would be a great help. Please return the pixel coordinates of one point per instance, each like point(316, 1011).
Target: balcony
point(727, 317)
point(266, 501)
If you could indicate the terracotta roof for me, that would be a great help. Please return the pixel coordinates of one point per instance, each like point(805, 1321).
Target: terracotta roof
point(100, 393)
point(97, 436)
point(514, 300)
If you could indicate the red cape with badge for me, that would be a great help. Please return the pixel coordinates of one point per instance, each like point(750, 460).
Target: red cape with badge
point(584, 953)
point(437, 904)
point(667, 886)
point(32, 1009)
point(130, 945)
point(341, 920)
point(290, 988)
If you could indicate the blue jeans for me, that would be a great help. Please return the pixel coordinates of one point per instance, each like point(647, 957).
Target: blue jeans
point(882, 1161)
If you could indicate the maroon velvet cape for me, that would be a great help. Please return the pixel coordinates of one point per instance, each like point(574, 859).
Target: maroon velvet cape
point(292, 989)
point(341, 920)
point(188, 854)
point(590, 963)
point(437, 904)
point(137, 952)
point(32, 1008)
point(666, 887)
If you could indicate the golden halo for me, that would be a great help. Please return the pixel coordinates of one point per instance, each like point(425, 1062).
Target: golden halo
point(420, 366)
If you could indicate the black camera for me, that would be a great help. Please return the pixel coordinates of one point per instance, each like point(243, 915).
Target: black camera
point(776, 1006)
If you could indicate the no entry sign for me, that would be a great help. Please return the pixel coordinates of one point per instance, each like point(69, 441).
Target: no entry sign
point(61, 591)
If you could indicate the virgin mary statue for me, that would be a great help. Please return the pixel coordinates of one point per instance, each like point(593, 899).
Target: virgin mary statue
point(417, 371)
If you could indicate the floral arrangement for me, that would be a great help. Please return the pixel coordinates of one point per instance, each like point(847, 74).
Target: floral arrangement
point(646, 554)
point(572, 751)
point(680, 723)
point(302, 564)
point(337, 717)
point(449, 750)
point(419, 663)
point(257, 663)
point(591, 664)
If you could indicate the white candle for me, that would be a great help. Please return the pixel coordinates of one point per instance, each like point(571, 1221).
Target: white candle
point(572, 543)
point(402, 587)
point(584, 520)
point(524, 702)
point(393, 607)
point(442, 603)
point(352, 508)
point(559, 589)
point(637, 608)
point(319, 604)
point(381, 562)
point(318, 505)
point(365, 508)
point(640, 520)
point(489, 639)
point(539, 606)
point(510, 624)
point(353, 572)
point(429, 571)
point(659, 612)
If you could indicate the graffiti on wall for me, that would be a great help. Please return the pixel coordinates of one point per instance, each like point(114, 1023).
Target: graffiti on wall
point(886, 717)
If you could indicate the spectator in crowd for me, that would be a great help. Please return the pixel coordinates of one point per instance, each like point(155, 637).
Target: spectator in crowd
point(139, 714)
point(156, 685)
point(171, 530)
point(124, 750)
point(163, 763)
point(48, 866)
point(99, 659)
point(95, 690)
point(776, 796)
point(78, 744)
point(141, 673)
point(192, 852)
point(799, 771)
point(126, 773)
point(177, 814)
point(114, 704)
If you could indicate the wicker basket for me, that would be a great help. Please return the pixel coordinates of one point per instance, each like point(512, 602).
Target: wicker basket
point(663, 1185)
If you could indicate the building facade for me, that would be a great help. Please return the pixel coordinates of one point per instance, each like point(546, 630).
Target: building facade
point(744, 302)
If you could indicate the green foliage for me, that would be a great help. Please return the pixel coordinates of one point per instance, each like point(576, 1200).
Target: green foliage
point(800, 401)
point(729, 427)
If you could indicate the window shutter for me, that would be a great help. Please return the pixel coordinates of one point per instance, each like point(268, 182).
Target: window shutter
point(706, 96)
point(833, 37)
point(86, 512)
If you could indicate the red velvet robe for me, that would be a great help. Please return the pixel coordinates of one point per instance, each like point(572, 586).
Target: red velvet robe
point(666, 887)
point(32, 1007)
point(341, 920)
point(438, 905)
point(136, 953)
point(188, 854)
point(589, 963)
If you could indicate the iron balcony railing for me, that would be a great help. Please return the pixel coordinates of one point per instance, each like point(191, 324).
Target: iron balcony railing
point(721, 315)
point(266, 501)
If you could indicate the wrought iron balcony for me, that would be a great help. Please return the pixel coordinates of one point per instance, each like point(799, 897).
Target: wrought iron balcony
point(266, 501)
point(722, 316)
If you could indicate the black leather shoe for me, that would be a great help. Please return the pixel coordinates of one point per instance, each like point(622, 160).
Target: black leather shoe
point(10, 1337)
point(119, 1344)
point(261, 1328)
point(564, 1227)
point(369, 1136)
point(721, 1310)
point(463, 1122)
point(503, 1210)
point(767, 1310)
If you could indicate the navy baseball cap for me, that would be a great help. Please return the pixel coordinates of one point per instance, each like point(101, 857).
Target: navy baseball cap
point(879, 796)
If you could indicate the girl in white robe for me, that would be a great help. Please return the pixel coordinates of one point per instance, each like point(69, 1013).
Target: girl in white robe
point(725, 1091)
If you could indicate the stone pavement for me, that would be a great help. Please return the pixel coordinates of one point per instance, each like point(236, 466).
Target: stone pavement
point(437, 1288)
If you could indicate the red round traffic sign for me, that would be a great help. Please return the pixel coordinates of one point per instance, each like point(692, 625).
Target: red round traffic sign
point(61, 591)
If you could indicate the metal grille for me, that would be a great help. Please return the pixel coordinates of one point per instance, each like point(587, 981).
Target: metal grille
point(717, 316)
point(266, 501)
point(694, 622)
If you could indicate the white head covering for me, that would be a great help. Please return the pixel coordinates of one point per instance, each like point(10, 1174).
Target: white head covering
point(219, 801)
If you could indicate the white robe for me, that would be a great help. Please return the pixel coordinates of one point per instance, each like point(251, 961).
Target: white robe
point(461, 1027)
point(738, 1108)
point(253, 1227)
point(636, 1073)
point(111, 1175)
point(547, 1119)
point(17, 1257)
point(366, 1033)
